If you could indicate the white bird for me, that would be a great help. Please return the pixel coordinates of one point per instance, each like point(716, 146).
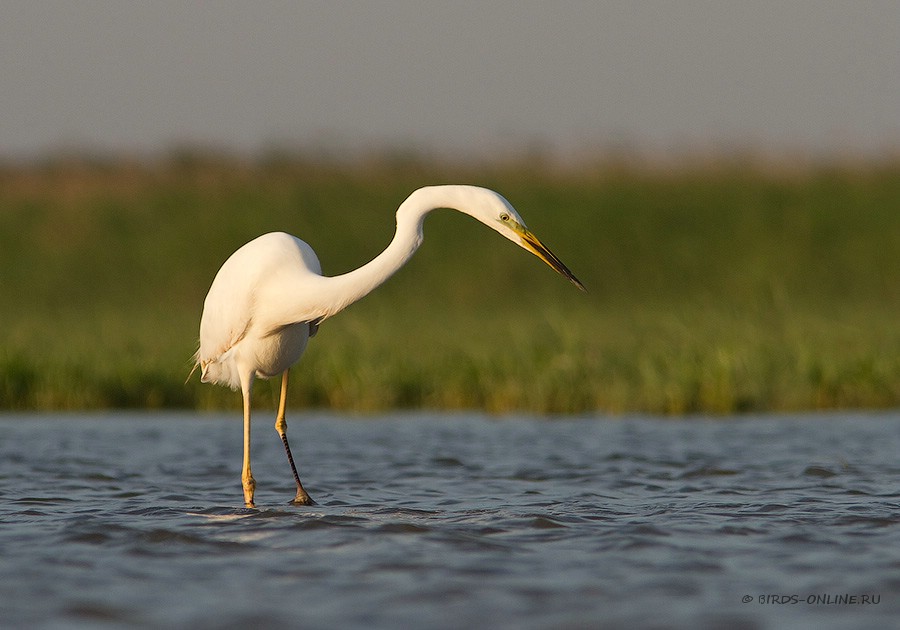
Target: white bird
point(270, 296)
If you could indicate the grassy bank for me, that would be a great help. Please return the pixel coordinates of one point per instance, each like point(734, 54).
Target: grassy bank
point(710, 289)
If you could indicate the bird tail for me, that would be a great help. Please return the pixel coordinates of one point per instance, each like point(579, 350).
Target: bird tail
point(196, 360)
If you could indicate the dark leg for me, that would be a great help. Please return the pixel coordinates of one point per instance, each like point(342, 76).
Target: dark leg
point(302, 497)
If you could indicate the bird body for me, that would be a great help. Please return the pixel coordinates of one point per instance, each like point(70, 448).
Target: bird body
point(239, 330)
point(270, 296)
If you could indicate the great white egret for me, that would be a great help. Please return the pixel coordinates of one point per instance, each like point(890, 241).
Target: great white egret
point(270, 296)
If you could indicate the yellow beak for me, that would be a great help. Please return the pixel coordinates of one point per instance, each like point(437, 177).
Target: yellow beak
point(534, 245)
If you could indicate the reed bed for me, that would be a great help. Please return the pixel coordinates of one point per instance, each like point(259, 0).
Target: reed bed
point(712, 288)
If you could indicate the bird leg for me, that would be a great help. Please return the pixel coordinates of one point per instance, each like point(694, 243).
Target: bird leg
point(246, 476)
point(302, 497)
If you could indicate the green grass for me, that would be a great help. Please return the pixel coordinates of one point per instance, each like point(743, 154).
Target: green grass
point(711, 290)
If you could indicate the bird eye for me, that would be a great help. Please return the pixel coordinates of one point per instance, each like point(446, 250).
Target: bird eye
point(504, 217)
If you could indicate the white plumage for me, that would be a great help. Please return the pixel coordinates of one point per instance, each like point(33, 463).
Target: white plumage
point(270, 296)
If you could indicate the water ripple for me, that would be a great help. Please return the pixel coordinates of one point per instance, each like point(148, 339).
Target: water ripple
point(135, 521)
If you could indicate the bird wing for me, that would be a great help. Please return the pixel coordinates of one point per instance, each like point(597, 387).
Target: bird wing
point(257, 288)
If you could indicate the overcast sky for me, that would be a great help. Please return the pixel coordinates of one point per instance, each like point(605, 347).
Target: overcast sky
point(450, 77)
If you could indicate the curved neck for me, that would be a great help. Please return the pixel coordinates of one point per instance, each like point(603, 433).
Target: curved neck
point(350, 287)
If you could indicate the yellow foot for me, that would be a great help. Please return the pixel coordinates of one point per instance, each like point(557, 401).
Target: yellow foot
point(249, 491)
point(302, 499)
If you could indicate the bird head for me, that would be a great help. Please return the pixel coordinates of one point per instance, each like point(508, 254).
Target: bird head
point(498, 214)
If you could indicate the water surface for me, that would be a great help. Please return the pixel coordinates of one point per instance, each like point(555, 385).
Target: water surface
point(451, 521)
